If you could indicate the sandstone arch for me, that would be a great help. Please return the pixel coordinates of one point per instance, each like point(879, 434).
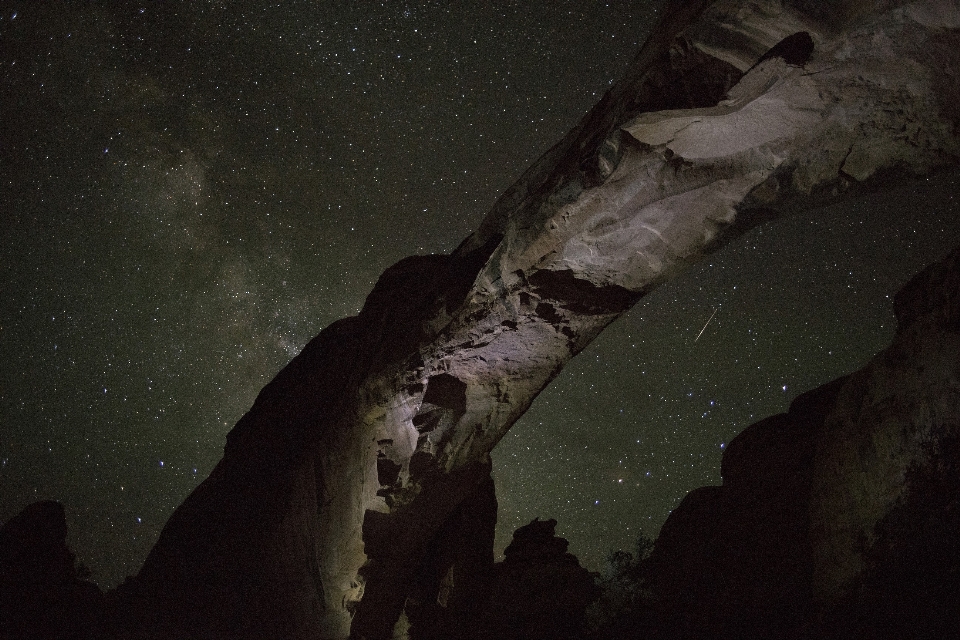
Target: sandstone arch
point(361, 448)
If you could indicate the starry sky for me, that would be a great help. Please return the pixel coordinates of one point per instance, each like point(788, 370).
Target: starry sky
point(189, 191)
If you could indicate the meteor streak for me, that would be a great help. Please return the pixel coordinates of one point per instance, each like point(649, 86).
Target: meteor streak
point(708, 322)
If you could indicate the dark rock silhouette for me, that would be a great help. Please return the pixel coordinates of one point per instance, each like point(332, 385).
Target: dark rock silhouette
point(42, 592)
point(910, 586)
point(539, 592)
point(840, 518)
point(734, 561)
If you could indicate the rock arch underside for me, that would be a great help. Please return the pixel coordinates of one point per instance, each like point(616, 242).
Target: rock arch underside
point(335, 483)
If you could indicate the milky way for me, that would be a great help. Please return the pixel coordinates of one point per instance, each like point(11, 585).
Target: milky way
point(191, 191)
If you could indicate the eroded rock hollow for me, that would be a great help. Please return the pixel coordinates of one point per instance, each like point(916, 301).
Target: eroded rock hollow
point(334, 484)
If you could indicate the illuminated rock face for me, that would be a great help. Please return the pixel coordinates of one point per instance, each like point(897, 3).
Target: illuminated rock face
point(349, 462)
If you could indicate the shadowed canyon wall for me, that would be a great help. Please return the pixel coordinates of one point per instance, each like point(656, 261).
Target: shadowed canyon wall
point(333, 485)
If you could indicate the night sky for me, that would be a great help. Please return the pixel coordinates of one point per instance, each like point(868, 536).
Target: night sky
point(190, 191)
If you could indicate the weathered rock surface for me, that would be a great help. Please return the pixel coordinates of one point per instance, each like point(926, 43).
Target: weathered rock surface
point(42, 594)
point(840, 518)
point(332, 487)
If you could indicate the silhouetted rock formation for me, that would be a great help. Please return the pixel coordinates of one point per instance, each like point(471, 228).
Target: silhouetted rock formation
point(840, 518)
point(540, 591)
point(42, 593)
point(734, 561)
